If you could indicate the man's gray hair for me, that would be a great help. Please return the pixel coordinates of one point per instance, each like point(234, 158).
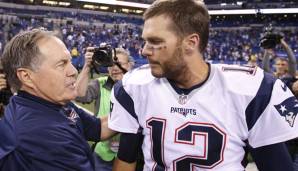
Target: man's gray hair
point(126, 53)
point(22, 51)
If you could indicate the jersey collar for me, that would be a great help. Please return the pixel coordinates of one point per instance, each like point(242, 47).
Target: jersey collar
point(31, 97)
point(188, 90)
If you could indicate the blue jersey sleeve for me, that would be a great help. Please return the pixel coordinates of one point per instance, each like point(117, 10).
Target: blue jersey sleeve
point(129, 146)
point(272, 157)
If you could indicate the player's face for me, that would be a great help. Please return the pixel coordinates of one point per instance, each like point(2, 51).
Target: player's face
point(115, 72)
point(55, 78)
point(162, 47)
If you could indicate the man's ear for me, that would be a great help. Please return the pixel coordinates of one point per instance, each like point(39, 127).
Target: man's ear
point(192, 42)
point(25, 76)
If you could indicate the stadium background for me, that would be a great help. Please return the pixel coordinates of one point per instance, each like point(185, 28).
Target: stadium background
point(236, 26)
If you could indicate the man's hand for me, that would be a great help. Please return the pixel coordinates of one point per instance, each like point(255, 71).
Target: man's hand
point(3, 82)
point(83, 77)
point(106, 132)
point(295, 88)
point(88, 57)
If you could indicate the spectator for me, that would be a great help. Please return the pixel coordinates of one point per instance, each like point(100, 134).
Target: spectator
point(194, 115)
point(253, 61)
point(285, 69)
point(42, 129)
point(99, 90)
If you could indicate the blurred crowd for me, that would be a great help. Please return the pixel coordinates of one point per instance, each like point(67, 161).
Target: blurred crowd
point(228, 43)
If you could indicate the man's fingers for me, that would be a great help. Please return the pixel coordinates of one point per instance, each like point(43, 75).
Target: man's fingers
point(3, 84)
point(90, 49)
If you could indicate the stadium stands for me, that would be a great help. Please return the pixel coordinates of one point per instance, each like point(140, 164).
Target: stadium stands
point(233, 39)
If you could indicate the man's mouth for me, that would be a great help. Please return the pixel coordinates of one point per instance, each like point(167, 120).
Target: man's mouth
point(117, 73)
point(72, 84)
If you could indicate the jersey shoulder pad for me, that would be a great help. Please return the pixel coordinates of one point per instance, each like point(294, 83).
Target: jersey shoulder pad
point(138, 76)
point(241, 79)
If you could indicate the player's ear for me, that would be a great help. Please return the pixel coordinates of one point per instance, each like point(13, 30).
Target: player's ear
point(192, 43)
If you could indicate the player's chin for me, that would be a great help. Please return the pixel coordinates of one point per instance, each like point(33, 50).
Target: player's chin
point(156, 70)
point(157, 73)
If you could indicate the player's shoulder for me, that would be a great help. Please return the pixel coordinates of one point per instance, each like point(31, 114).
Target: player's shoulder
point(241, 71)
point(243, 79)
point(138, 76)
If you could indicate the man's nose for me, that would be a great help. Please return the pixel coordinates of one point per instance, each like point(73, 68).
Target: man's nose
point(72, 70)
point(146, 51)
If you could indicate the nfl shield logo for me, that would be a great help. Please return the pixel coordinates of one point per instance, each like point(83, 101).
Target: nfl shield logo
point(182, 99)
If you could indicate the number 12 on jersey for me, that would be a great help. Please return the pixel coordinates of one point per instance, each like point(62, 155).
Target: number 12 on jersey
point(213, 141)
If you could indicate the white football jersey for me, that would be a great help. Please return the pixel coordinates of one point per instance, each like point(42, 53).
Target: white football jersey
point(208, 127)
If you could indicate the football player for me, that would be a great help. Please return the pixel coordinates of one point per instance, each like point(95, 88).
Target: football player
point(193, 115)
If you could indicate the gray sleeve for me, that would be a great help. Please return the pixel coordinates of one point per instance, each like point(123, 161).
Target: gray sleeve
point(92, 92)
point(266, 62)
point(292, 61)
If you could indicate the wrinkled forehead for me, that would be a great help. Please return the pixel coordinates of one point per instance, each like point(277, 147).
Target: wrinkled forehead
point(52, 48)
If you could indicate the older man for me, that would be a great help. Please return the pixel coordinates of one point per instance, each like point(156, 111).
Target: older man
point(42, 129)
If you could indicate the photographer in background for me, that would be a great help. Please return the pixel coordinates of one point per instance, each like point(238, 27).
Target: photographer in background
point(99, 90)
point(285, 68)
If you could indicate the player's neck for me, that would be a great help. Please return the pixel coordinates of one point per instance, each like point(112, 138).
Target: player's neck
point(193, 75)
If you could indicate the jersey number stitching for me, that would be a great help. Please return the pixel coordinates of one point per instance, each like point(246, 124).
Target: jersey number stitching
point(251, 70)
point(214, 144)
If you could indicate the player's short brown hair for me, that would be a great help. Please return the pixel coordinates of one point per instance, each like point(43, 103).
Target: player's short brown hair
point(188, 16)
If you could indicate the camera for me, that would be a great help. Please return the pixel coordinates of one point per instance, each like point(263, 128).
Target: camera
point(270, 38)
point(103, 55)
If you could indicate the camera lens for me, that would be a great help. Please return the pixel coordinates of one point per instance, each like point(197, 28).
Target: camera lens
point(103, 56)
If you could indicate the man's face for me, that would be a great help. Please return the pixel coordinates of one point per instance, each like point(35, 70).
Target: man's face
point(162, 47)
point(281, 66)
point(54, 80)
point(115, 72)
